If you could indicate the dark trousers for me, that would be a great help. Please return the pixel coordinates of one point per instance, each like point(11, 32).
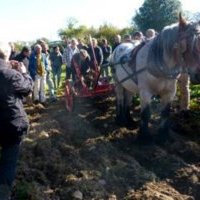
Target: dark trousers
point(70, 72)
point(8, 160)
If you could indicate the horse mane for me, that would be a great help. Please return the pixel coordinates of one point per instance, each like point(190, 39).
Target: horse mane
point(162, 47)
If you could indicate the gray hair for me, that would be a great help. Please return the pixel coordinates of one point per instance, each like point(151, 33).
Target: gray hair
point(37, 46)
point(118, 37)
point(150, 33)
point(5, 50)
point(84, 53)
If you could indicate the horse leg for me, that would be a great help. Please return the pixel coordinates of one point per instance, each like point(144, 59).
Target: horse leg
point(144, 136)
point(127, 104)
point(120, 117)
point(163, 131)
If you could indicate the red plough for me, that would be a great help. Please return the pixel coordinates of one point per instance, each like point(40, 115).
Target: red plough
point(101, 87)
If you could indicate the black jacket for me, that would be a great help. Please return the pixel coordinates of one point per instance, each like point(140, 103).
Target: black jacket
point(13, 119)
point(106, 50)
point(98, 55)
point(20, 57)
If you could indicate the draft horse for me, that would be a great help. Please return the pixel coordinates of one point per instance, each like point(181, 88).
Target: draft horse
point(152, 68)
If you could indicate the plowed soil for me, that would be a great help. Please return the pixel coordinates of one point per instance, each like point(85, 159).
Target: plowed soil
point(85, 155)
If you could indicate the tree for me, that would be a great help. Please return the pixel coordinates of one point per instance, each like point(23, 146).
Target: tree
point(107, 31)
point(127, 30)
point(70, 31)
point(156, 14)
point(71, 22)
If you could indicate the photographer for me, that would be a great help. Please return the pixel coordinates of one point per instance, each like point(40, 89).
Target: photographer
point(15, 83)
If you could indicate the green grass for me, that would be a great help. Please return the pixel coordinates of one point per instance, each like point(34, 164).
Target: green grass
point(195, 96)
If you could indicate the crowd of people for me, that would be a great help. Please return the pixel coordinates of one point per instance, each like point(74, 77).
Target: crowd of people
point(45, 65)
point(30, 71)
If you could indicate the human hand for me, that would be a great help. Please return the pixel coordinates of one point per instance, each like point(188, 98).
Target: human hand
point(14, 64)
point(83, 82)
point(22, 68)
point(19, 66)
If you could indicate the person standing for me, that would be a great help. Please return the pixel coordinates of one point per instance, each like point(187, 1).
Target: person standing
point(15, 83)
point(38, 65)
point(56, 64)
point(106, 50)
point(95, 53)
point(23, 56)
point(117, 41)
point(67, 57)
point(49, 81)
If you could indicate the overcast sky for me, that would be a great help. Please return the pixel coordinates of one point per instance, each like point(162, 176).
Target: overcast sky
point(29, 20)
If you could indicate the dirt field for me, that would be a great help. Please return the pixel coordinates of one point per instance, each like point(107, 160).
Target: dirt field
point(85, 155)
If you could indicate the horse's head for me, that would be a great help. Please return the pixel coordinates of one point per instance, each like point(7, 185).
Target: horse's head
point(189, 42)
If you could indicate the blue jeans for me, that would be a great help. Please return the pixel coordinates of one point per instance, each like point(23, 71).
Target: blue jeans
point(56, 76)
point(8, 161)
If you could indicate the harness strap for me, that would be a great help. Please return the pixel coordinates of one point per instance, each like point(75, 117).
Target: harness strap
point(132, 76)
point(165, 73)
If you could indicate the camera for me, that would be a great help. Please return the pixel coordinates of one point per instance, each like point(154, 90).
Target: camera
point(19, 66)
point(14, 65)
